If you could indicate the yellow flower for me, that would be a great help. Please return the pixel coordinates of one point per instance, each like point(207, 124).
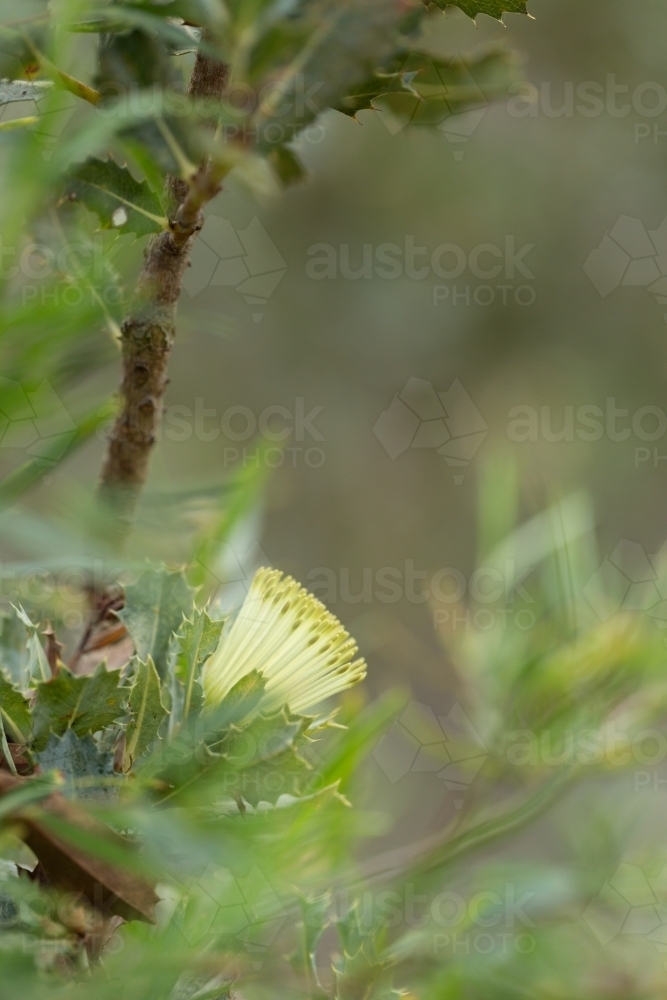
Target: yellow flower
point(282, 631)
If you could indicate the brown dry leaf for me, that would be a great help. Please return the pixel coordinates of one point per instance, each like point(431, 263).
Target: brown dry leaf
point(108, 888)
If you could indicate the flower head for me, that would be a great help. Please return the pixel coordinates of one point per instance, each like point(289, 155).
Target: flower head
point(301, 649)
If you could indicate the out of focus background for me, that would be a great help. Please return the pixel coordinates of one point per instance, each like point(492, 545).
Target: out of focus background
point(336, 341)
point(431, 308)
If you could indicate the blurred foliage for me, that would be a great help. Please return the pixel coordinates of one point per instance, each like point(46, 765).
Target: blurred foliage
point(154, 845)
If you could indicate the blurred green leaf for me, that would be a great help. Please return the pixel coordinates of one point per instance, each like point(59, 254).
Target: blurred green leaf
point(14, 712)
point(287, 165)
point(13, 651)
point(30, 473)
point(77, 758)
point(423, 89)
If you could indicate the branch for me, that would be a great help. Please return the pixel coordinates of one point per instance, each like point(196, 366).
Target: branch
point(148, 332)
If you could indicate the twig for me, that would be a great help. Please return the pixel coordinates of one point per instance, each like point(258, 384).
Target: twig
point(148, 332)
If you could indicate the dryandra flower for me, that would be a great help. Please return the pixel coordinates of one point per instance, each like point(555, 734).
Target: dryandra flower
point(301, 649)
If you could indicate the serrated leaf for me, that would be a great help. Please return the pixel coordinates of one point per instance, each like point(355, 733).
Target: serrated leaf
point(22, 90)
point(77, 758)
point(422, 89)
point(155, 607)
point(321, 50)
point(147, 712)
point(361, 969)
point(263, 759)
point(494, 8)
point(361, 96)
point(191, 648)
point(314, 922)
point(119, 200)
point(14, 711)
point(84, 704)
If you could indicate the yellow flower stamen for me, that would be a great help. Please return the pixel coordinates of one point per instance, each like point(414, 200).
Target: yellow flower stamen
point(285, 633)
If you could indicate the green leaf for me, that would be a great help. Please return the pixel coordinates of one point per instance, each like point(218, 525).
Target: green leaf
point(287, 165)
point(322, 51)
point(190, 649)
point(241, 497)
point(426, 90)
point(361, 969)
point(13, 652)
point(119, 201)
point(133, 60)
point(154, 610)
point(262, 758)
point(22, 90)
point(14, 712)
point(13, 123)
point(37, 667)
point(314, 922)
point(494, 8)
point(85, 704)
point(147, 712)
point(77, 758)
point(241, 701)
point(361, 96)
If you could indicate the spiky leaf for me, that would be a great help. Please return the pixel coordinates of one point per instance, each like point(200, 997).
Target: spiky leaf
point(119, 200)
point(422, 89)
point(154, 610)
point(191, 648)
point(494, 8)
point(84, 704)
point(330, 46)
point(147, 712)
